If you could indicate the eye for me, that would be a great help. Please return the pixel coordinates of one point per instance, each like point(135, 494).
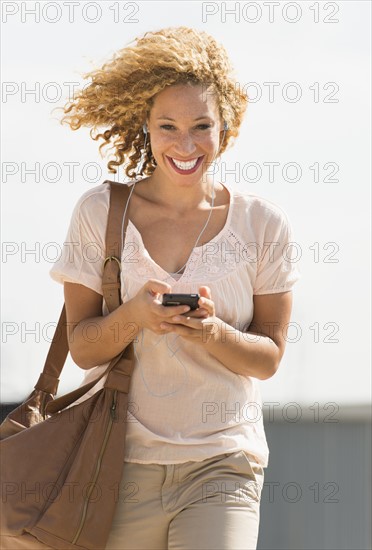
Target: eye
point(199, 127)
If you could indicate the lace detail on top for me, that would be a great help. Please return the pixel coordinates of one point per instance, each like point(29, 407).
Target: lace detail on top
point(210, 261)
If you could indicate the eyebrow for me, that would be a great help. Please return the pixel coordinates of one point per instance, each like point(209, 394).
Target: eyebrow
point(172, 119)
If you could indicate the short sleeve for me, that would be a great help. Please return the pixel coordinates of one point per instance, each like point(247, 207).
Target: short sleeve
point(83, 252)
point(277, 269)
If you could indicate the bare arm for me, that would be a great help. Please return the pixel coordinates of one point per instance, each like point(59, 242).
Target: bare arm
point(258, 351)
point(94, 339)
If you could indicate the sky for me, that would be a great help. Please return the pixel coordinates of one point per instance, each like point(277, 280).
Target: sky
point(304, 144)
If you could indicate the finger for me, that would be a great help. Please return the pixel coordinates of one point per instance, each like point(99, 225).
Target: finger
point(205, 292)
point(208, 305)
point(156, 287)
point(171, 311)
point(206, 298)
point(188, 321)
point(197, 313)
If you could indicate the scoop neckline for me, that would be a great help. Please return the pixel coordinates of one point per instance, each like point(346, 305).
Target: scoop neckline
point(195, 249)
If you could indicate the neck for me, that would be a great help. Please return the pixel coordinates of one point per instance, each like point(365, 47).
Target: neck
point(180, 199)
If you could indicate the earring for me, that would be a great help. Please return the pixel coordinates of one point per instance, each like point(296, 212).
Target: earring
point(145, 131)
point(225, 128)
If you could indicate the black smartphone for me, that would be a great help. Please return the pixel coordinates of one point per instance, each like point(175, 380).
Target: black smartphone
point(190, 300)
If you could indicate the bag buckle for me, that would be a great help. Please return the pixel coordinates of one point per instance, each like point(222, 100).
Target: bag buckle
point(109, 259)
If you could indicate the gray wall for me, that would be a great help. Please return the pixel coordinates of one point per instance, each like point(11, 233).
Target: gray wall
point(317, 491)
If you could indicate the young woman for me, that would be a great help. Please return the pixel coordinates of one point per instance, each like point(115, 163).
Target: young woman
point(195, 444)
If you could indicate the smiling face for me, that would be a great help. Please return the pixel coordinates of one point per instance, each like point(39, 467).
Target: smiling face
point(184, 126)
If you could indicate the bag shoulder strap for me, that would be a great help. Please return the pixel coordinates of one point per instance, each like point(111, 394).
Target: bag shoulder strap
point(58, 351)
point(119, 195)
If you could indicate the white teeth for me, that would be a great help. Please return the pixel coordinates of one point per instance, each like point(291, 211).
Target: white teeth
point(185, 165)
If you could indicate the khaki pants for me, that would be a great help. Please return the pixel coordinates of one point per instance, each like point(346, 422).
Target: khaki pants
point(209, 505)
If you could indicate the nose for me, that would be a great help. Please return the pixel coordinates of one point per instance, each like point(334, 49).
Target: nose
point(184, 144)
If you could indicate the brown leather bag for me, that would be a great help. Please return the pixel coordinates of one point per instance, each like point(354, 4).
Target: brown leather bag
point(61, 463)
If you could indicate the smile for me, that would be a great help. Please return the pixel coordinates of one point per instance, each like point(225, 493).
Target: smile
point(187, 167)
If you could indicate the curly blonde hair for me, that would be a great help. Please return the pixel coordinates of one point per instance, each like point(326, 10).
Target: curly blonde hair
point(121, 93)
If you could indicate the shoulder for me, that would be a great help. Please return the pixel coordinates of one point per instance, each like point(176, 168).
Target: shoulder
point(259, 215)
point(94, 201)
point(253, 205)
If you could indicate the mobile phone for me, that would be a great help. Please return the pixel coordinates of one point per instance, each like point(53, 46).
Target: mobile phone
point(190, 300)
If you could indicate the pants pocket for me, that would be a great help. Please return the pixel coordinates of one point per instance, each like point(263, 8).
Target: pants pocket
point(251, 472)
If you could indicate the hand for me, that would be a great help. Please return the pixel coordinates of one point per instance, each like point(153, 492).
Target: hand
point(199, 325)
point(147, 309)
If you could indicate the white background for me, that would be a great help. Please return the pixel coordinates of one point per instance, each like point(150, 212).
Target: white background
point(330, 360)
